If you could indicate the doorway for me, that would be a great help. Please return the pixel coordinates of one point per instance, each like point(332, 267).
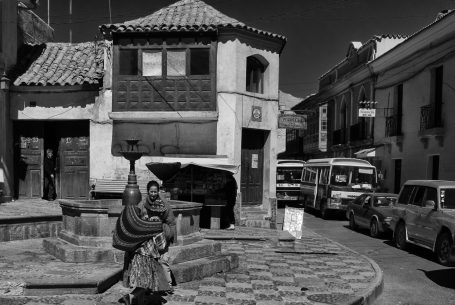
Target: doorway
point(397, 176)
point(69, 141)
point(433, 167)
point(252, 166)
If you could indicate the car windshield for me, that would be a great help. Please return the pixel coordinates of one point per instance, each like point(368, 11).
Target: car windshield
point(288, 174)
point(384, 201)
point(448, 198)
point(355, 177)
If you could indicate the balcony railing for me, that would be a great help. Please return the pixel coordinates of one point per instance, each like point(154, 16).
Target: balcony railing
point(429, 118)
point(359, 131)
point(339, 137)
point(393, 126)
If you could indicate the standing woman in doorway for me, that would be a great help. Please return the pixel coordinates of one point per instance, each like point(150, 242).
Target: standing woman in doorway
point(49, 176)
point(146, 269)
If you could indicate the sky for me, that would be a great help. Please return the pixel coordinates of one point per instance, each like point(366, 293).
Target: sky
point(318, 32)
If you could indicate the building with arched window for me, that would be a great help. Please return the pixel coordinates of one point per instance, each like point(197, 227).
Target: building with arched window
point(192, 84)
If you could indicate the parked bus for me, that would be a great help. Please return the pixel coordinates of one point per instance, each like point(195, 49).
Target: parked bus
point(288, 174)
point(329, 184)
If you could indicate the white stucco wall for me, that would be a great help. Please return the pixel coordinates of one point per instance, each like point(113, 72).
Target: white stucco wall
point(235, 107)
point(414, 154)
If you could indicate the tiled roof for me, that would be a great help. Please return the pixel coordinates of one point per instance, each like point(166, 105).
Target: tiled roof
point(61, 64)
point(383, 43)
point(183, 16)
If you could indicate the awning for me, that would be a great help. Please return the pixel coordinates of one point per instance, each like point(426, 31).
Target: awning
point(165, 168)
point(366, 153)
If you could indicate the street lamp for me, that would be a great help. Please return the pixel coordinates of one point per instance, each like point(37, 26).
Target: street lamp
point(131, 194)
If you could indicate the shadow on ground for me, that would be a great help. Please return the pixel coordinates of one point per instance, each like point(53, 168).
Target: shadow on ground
point(442, 277)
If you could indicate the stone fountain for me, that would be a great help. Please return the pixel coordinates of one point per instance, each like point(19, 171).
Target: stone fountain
point(132, 195)
point(86, 236)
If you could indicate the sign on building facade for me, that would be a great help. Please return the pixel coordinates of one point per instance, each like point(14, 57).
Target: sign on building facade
point(367, 112)
point(292, 121)
point(322, 145)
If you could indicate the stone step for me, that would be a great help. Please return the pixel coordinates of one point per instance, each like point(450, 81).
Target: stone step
point(204, 267)
point(70, 253)
point(201, 249)
point(96, 283)
point(256, 223)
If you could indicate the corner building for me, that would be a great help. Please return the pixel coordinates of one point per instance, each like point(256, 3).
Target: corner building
point(196, 85)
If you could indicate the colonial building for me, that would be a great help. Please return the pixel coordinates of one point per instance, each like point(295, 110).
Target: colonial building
point(334, 128)
point(410, 81)
point(192, 84)
point(414, 87)
point(18, 26)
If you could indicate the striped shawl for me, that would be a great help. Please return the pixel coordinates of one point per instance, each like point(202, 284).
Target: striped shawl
point(131, 231)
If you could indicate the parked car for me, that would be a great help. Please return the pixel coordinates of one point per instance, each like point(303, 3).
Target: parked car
point(425, 215)
point(372, 211)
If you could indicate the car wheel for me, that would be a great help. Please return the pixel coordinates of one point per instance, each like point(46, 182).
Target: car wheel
point(374, 228)
point(400, 236)
point(443, 247)
point(352, 224)
point(323, 210)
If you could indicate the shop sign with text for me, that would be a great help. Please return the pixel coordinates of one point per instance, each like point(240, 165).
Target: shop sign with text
point(292, 121)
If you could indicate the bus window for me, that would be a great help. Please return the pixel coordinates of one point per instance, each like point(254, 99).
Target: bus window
point(288, 174)
point(312, 175)
point(309, 175)
point(350, 175)
point(324, 175)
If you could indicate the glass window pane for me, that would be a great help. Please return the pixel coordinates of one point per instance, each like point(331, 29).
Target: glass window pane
point(128, 62)
point(447, 198)
point(176, 63)
point(405, 194)
point(151, 63)
point(200, 61)
point(418, 197)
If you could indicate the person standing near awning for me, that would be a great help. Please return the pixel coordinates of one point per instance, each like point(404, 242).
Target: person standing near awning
point(230, 190)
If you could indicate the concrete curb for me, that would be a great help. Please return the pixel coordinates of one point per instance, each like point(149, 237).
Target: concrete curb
point(370, 294)
point(82, 286)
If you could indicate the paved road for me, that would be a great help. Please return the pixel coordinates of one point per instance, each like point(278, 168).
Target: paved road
point(410, 277)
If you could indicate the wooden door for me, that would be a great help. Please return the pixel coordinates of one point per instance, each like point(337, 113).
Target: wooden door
point(29, 159)
point(252, 166)
point(73, 160)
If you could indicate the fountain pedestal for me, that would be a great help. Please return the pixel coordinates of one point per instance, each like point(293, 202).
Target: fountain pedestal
point(86, 237)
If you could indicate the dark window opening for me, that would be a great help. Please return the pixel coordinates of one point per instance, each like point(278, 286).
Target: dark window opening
point(128, 62)
point(399, 106)
point(200, 61)
point(254, 75)
point(434, 167)
point(397, 176)
point(438, 80)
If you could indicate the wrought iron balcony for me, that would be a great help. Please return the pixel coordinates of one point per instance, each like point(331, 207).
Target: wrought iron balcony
point(339, 137)
point(430, 122)
point(429, 119)
point(393, 126)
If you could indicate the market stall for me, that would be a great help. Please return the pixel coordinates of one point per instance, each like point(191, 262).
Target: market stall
point(196, 181)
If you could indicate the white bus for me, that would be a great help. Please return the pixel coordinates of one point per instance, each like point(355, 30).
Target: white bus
point(329, 184)
point(288, 174)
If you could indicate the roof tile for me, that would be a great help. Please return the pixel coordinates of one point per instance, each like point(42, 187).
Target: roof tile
point(184, 15)
point(62, 64)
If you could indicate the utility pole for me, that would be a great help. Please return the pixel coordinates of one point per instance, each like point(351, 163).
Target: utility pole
point(110, 12)
point(48, 12)
point(71, 20)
